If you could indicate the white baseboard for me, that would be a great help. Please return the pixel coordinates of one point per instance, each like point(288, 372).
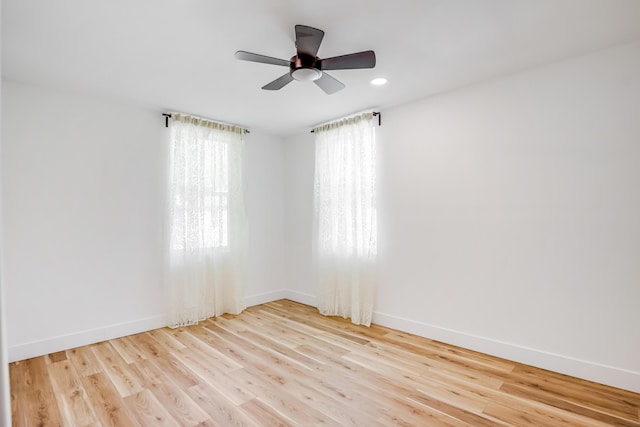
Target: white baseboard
point(587, 370)
point(263, 298)
point(90, 336)
point(302, 298)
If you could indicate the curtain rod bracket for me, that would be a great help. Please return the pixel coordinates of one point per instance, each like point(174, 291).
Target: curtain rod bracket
point(166, 119)
point(377, 113)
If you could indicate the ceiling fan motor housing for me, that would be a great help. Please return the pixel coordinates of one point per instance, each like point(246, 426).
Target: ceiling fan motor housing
point(305, 68)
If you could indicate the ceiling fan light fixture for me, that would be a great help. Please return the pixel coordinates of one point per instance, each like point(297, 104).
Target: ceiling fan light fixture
point(306, 74)
point(379, 81)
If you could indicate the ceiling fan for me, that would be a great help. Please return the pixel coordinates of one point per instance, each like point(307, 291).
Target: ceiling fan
point(305, 66)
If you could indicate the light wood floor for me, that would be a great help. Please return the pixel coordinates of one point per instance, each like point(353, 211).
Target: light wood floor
point(282, 363)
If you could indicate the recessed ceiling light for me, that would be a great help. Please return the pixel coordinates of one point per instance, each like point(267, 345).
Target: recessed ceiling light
point(379, 81)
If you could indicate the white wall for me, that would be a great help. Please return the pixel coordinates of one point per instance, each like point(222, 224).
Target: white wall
point(5, 395)
point(83, 199)
point(509, 217)
point(265, 211)
point(298, 182)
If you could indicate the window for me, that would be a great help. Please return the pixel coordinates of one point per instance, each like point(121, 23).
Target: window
point(200, 211)
point(201, 180)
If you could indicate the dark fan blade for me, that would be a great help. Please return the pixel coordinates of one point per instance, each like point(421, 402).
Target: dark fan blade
point(329, 84)
point(279, 83)
point(366, 59)
point(254, 57)
point(308, 40)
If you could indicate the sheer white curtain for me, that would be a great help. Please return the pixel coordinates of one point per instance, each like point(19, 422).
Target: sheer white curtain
point(345, 218)
point(207, 221)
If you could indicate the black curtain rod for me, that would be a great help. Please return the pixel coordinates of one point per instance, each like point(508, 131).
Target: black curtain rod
point(375, 113)
point(167, 116)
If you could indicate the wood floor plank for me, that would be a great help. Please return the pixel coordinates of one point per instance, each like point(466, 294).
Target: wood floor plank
point(148, 411)
point(41, 410)
point(213, 377)
point(527, 414)
point(148, 345)
point(607, 415)
point(41, 406)
point(20, 383)
point(263, 415)
point(222, 411)
point(282, 400)
point(58, 357)
point(166, 339)
point(174, 399)
point(84, 361)
point(456, 412)
point(321, 395)
point(418, 363)
point(415, 415)
point(128, 350)
point(70, 394)
point(179, 373)
point(117, 369)
point(606, 399)
point(284, 364)
point(107, 403)
point(282, 350)
point(204, 350)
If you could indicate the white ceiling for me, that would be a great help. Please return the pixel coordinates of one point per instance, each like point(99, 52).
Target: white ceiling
point(179, 55)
